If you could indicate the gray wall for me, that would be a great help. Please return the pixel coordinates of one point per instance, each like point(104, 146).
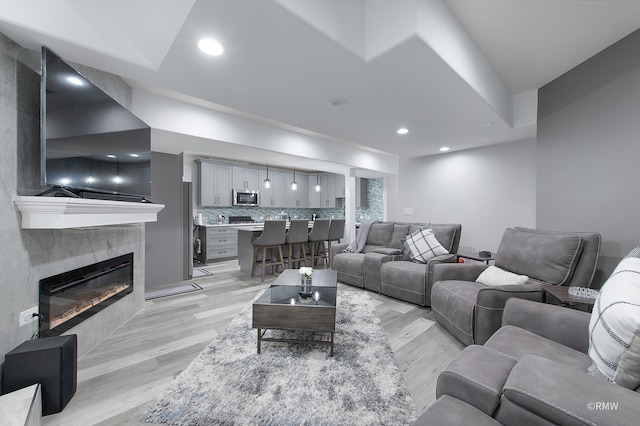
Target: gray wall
point(486, 190)
point(26, 256)
point(164, 238)
point(588, 150)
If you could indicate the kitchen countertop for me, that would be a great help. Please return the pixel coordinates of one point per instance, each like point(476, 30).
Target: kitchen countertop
point(257, 225)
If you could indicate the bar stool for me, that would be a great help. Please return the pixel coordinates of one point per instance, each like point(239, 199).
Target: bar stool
point(317, 237)
point(297, 237)
point(272, 237)
point(336, 232)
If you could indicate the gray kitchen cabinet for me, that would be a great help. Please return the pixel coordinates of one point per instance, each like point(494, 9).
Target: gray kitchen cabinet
point(340, 192)
point(300, 197)
point(215, 184)
point(328, 191)
point(276, 195)
point(218, 243)
point(245, 178)
point(314, 196)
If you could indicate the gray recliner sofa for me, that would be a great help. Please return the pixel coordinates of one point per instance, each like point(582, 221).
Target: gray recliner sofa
point(472, 311)
point(532, 371)
point(384, 245)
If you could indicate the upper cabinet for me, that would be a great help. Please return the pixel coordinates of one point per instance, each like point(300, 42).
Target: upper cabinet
point(276, 195)
point(245, 178)
point(328, 191)
point(300, 197)
point(340, 193)
point(215, 184)
point(314, 196)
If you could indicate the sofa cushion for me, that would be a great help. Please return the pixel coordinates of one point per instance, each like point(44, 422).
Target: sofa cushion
point(400, 231)
point(546, 257)
point(498, 276)
point(423, 245)
point(448, 235)
point(558, 396)
point(448, 410)
point(614, 328)
point(380, 234)
point(405, 281)
point(518, 342)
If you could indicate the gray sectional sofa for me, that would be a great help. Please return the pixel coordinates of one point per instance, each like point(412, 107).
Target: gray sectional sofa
point(472, 311)
point(532, 371)
point(371, 268)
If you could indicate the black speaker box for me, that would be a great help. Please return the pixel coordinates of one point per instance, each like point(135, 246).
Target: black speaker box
point(50, 361)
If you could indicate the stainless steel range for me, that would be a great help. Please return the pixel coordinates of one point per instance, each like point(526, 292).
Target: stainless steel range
point(240, 219)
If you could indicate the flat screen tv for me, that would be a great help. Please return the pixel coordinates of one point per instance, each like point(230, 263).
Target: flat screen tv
point(91, 146)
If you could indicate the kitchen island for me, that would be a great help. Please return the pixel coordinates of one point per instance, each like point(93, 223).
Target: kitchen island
point(246, 234)
point(217, 242)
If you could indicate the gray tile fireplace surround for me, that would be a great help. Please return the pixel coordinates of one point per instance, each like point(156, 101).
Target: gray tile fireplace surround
point(55, 251)
point(26, 256)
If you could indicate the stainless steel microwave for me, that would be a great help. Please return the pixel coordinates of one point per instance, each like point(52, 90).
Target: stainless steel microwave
point(246, 197)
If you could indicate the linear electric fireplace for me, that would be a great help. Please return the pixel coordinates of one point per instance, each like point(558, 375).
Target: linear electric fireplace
point(69, 298)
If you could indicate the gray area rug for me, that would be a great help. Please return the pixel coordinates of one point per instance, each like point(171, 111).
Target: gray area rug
point(292, 384)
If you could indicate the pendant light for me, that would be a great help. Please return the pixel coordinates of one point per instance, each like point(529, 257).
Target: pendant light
point(317, 184)
point(267, 182)
point(294, 184)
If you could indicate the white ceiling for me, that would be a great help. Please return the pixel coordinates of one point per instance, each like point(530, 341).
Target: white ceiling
point(455, 72)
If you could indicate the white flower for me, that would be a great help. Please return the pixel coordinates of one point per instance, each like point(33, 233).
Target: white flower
point(306, 271)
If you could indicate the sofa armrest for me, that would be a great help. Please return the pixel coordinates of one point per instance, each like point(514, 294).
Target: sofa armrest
point(564, 396)
point(337, 248)
point(569, 327)
point(495, 297)
point(457, 271)
point(491, 302)
point(388, 251)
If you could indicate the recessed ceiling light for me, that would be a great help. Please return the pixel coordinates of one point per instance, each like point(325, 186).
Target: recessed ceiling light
point(445, 149)
point(76, 81)
point(338, 103)
point(211, 47)
point(402, 131)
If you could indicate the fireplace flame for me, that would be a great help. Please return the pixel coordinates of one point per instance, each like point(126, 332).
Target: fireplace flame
point(87, 304)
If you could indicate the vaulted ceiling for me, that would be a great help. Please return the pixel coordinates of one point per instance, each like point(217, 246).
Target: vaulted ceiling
point(457, 73)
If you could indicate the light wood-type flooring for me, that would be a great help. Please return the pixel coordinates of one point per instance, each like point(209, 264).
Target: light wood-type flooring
point(126, 372)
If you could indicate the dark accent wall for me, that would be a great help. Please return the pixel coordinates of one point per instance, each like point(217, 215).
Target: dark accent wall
point(589, 149)
point(165, 250)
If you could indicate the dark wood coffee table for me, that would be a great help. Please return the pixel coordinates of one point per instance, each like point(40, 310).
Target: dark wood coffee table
point(281, 307)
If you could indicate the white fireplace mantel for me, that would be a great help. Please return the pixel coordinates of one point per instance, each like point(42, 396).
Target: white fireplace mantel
point(64, 212)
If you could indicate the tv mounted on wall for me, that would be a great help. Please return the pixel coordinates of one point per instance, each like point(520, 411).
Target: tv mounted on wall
point(91, 146)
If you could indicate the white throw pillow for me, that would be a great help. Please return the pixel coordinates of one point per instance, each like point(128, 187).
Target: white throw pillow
point(614, 328)
point(497, 276)
point(423, 245)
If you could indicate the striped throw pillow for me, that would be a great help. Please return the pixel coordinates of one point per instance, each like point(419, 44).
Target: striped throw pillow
point(614, 328)
point(423, 245)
